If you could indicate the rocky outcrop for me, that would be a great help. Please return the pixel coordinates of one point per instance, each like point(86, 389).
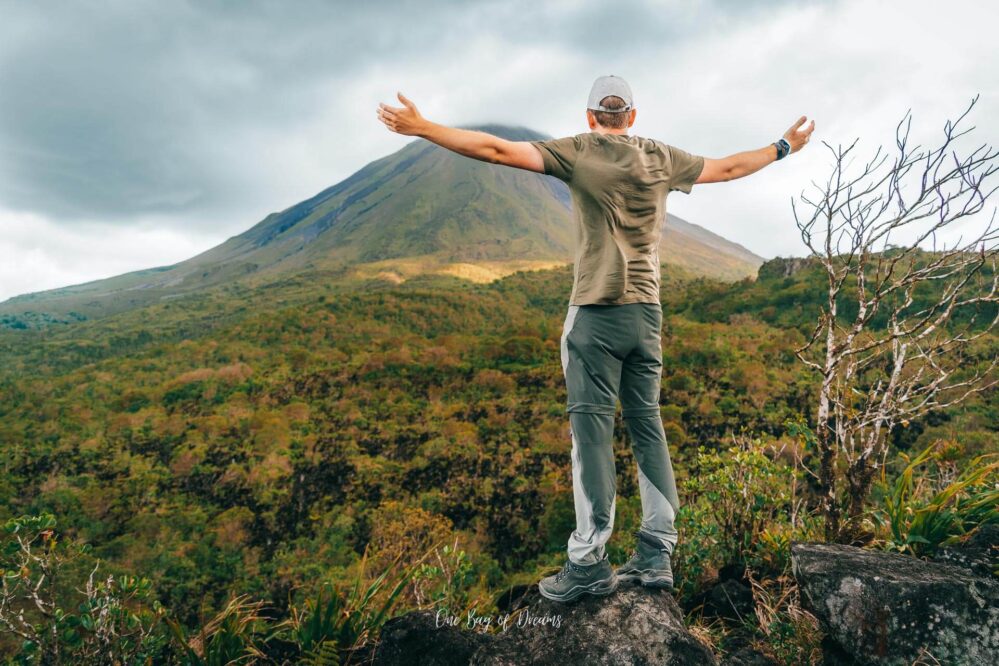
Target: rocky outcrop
point(980, 553)
point(418, 638)
point(782, 267)
point(635, 625)
point(886, 608)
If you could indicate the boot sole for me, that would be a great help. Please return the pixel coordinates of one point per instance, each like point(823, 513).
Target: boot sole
point(599, 588)
point(648, 578)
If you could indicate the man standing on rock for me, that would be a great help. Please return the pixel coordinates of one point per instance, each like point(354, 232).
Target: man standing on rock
point(611, 346)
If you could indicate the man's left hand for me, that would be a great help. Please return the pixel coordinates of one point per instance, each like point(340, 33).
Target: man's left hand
point(796, 137)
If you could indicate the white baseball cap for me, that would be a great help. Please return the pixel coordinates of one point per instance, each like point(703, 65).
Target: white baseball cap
point(610, 85)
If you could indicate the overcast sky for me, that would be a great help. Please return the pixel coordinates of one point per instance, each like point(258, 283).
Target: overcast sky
point(137, 134)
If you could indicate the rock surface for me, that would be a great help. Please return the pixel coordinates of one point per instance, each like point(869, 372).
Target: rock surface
point(782, 267)
point(887, 608)
point(980, 552)
point(416, 638)
point(730, 600)
point(634, 625)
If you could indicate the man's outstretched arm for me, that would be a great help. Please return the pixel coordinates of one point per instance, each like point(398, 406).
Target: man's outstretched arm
point(751, 161)
point(471, 143)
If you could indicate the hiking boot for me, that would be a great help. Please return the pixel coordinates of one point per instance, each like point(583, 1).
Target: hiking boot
point(649, 564)
point(575, 580)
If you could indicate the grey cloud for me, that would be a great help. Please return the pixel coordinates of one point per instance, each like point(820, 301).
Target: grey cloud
point(109, 111)
point(115, 109)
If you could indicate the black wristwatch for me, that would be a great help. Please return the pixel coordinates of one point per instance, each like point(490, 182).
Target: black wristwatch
point(783, 148)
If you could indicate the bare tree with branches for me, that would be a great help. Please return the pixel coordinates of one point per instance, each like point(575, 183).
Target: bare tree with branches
point(903, 330)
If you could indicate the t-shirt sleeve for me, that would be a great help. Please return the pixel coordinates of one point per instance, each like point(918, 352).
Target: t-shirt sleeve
point(685, 168)
point(559, 156)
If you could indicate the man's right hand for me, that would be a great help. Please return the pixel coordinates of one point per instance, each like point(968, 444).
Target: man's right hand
point(798, 138)
point(405, 119)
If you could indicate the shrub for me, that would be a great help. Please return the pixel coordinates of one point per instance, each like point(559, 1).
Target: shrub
point(786, 631)
point(231, 637)
point(926, 507)
point(343, 617)
point(741, 509)
point(111, 620)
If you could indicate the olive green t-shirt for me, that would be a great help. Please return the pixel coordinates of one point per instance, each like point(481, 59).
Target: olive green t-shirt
point(619, 185)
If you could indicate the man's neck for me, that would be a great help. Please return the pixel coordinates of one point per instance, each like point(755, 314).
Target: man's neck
point(604, 130)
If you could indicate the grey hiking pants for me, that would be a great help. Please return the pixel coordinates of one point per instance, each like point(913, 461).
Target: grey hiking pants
point(612, 351)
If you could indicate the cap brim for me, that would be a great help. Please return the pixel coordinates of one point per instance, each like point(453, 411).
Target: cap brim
point(600, 108)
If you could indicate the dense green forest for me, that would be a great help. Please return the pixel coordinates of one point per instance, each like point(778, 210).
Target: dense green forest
point(261, 441)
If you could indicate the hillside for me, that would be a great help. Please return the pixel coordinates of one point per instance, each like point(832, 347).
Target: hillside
point(419, 210)
point(261, 439)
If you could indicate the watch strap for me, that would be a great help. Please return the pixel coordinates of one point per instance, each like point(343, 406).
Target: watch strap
point(783, 148)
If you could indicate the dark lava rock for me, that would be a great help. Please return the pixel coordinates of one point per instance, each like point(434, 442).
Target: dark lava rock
point(979, 553)
point(730, 600)
point(416, 638)
point(748, 656)
point(887, 608)
point(635, 625)
point(739, 650)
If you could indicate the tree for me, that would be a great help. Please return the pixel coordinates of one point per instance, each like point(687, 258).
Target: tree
point(112, 620)
point(896, 337)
